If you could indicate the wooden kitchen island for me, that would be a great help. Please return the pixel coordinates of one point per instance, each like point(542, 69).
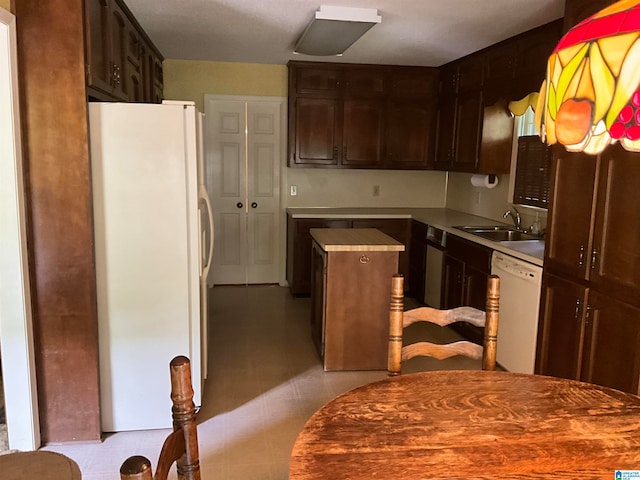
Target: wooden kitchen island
point(350, 295)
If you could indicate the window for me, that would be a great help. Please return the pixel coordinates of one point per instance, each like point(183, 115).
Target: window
point(532, 172)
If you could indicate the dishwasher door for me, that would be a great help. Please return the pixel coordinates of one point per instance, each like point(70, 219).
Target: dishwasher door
point(520, 285)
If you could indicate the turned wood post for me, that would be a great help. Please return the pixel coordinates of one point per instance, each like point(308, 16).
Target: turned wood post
point(491, 324)
point(184, 417)
point(395, 325)
point(136, 468)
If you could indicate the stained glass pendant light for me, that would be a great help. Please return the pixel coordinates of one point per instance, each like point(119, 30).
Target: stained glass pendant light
point(591, 95)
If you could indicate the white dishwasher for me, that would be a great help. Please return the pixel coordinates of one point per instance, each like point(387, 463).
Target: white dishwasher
point(520, 285)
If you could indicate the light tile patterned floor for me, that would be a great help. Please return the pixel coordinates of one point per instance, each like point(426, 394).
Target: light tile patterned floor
point(265, 381)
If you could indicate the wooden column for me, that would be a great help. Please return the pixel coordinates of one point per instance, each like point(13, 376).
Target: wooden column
point(62, 267)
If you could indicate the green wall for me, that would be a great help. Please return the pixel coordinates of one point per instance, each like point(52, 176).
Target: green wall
point(191, 80)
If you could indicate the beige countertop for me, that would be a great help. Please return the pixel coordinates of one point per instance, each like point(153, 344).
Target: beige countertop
point(443, 218)
point(354, 240)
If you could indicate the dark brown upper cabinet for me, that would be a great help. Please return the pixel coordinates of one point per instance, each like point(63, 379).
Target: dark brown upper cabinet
point(361, 116)
point(474, 126)
point(577, 10)
point(122, 64)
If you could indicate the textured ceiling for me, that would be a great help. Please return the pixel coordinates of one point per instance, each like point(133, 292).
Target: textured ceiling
point(412, 32)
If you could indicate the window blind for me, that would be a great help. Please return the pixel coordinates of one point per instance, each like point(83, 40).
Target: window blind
point(533, 172)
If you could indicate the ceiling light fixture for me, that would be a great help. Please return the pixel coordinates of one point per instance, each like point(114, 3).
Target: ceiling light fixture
point(334, 29)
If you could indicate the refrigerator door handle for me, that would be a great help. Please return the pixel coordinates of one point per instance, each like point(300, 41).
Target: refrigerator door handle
point(205, 197)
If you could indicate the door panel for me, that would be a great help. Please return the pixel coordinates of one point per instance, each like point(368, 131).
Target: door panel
point(263, 195)
point(362, 133)
point(561, 334)
point(611, 357)
point(616, 251)
point(317, 136)
point(228, 248)
point(225, 155)
point(568, 242)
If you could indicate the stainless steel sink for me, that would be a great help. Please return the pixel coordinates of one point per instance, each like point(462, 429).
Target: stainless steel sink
point(498, 233)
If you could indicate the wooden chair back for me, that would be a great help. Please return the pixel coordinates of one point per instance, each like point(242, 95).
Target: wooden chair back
point(181, 447)
point(399, 320)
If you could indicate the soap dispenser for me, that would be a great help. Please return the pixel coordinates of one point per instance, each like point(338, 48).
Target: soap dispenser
point(535, 226)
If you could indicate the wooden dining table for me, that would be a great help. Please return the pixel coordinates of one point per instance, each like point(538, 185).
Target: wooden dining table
point(471, 425)
point(40, 465)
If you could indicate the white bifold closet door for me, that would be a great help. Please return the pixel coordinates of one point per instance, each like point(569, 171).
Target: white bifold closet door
point(243, 152)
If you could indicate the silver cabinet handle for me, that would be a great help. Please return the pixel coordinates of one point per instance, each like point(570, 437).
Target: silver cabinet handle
point(581, 256)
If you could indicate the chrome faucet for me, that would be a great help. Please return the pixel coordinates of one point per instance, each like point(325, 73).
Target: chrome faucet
point(515, 216)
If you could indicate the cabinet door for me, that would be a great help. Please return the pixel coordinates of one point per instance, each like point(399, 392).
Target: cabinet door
point(98, 45)
point(317, 81)
point(119, 33)
point(611, 353)
point(497, 139)
point(474, 293)
point(568, 243)
point(299, 251)
point(534, 49)
point(409, 135)
point(561, 331)
point(133, 68)
point(157, 79)
point(418, 260)
point(413, 84)
point(364, 82)
point(362, 133)
point(615, 267)
point(453, 281)
point(470, 74)
point(316, 132)
point(468, 125)
point(475, 288)
point(445, 132)
point(499, 71)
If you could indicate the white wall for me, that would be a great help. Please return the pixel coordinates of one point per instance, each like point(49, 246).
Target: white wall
point(354, 188)
point(485, 202)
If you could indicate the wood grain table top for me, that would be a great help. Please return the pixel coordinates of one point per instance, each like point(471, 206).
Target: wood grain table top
point(355, 240)
point(471, 425)
point(41, 465)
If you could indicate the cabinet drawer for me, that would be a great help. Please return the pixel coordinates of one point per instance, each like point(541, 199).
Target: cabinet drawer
point(474, 255)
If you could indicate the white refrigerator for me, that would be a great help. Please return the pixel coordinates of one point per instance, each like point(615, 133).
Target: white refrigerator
point(153, 245)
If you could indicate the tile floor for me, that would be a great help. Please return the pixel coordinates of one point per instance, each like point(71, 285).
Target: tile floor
point(265, 380)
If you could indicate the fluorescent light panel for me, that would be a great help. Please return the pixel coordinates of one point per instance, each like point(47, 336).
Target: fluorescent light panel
point(334, 29)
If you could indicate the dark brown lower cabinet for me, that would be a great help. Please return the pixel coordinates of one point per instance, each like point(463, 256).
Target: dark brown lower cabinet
point(467, 266)
point(299, 250)
point(588, 336)
point(299, 245)
point(350, 307)
point(417, 260)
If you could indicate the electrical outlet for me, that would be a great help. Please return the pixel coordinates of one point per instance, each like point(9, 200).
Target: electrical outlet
point(294, 191)
point(376, 190)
